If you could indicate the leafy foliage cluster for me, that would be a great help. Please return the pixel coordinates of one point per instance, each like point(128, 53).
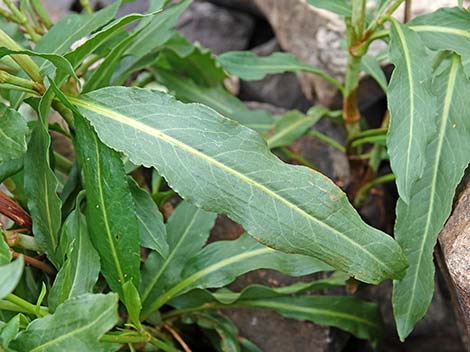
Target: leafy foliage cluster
point(149, 117)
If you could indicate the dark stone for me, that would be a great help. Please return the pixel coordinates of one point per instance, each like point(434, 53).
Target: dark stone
point(247, 6)
point(215, 27)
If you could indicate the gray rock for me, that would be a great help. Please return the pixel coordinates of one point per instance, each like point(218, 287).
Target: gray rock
point(240, 5)
point(215, 27)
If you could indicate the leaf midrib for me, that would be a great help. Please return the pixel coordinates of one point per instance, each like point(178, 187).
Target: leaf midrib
point(274, 138)
point(149, 130)
point(441, 135)
point(440, 29)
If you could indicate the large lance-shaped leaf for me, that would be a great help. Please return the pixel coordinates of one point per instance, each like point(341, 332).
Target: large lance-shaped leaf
point(41, 185)
point(187, 230)
point(13, 130)
point(411, 106)
point(111, 214)
point(446, 29)
point(80, 271)
point(347, 313)
point(10, 275)
point(249, 66)
point(227, 168)
point(419, 221)
point(76, 326)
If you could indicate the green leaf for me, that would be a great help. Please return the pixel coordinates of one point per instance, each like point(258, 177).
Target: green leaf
point(110, 211)
point(420, 221)
point(5, 254)
point(13, 131)
point(217, 98)
point(371, 65)
point(152, 228)
point(41, 185)
point(187, 230)
point(290, 127)
point(446, 29)
point(411, 106)
point(340, 7)
point(227, 168)
point(221, 262)
point(9, 331)
point(76, 325)
point(249, 66)
point(133, 303)
point(10, 275)
point(10, 168)
point(79, 273)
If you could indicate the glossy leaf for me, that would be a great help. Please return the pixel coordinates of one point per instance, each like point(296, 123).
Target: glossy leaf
point(152, 229)
point(411, 105)
point(10, 275)
point(420, 221)
point(226, 168)
point(221, 262)
point(79, 273)
point(340, 7)
point(76, 325)
point(187, 230)
point(41, 185)
point(446, 29)
point(249, 66)
point(110, 215)
point(13, 131)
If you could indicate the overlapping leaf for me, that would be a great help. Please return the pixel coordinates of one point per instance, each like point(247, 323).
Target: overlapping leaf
point(13, 130)
point(10, 275)
point(411, 106)
point(227, 168)
point(419, 221)
point(76, 326)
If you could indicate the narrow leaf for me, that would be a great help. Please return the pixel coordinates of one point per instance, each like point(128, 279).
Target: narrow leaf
point(76, 325)
point(41, 185)
point(110, 209)
point(5, 254)
point(371, 65)
point(80, 271)
point(411, 106)
point(249, 66)
point(152, 229)
point(187, 230)
point(340, 7)
point(420, 221)
point(13, 130)
point(227, 168)
point(10, 275)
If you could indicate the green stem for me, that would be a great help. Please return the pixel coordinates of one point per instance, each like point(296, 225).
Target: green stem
point(297, 157)
point(42, 13)
point(125, 338)
point(65, 112)
point(162, 345)
point(24, 61)
point(362, 194)
point(383, 16)
point(22, 20)
point(327, 139)
point(28, 307)
point(5, 77)
point(6, 305)
point(8, 16)
point(86, 6)
point(15, 239)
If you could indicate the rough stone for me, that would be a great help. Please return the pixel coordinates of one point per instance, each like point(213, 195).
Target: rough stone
point(215, 27)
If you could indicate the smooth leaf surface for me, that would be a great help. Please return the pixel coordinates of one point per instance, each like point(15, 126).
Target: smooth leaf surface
point(249, 66)
point(40, 185)
point(76, 326)
point(371, 65)
point(227, 168)
point(340, 7)
point(411, 105)
point(5, 254)
point(13, 131)
point(420, 221)
point(10, 275)
point(152, 228)
point(446, 29)
point(10, 168)
point(80, 271)
point(110, 209)
point(187, 230)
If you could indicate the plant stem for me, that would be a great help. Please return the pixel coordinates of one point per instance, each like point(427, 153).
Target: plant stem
point(177, 337)
point(163, 346)
point(362, 194)
point(28, 307)
point(125, 338)
point(326, 139)
point(22, 20)
point(15, 239)
point(36, 263)
point(407, 15)
point(86, 6)
point(42, 13)
point(24, 61)
point(62, 163)
point(6, 305)
point(8, 16)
